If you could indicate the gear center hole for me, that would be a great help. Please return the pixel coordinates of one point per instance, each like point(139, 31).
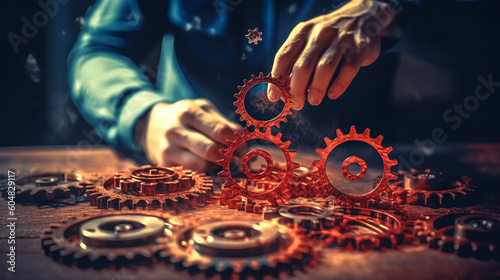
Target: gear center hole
point(258, 106)
point(354, 169)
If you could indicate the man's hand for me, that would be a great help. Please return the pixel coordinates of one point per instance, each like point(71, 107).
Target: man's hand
point(188, 133)
point(311, 54)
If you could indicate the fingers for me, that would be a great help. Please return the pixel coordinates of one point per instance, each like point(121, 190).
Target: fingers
point(287, 55)
point(195, 142)
point(349, 70)
point(323, 74)
point(305, 65)
point(209, 121)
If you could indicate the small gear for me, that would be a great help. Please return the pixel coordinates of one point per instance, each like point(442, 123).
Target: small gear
point(240, 247)
point(48, 186)
point(382, 186)
point(242, 203)
point(113, 238)
point(253, 36)
point(240, 101)
point(429, 188)
point(152, 187)
point(275, 195)
point(364, 229)
point(308, 214)
point(467, 234)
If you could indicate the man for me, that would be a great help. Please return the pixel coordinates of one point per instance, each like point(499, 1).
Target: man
point(177, 123)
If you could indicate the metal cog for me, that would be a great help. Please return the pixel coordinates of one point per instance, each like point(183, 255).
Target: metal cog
point(253, 36)
point(428, 187)
point(309, 214)
point(112, 238)
point(240, 102)
point(240, 247)
point(152, 187)
point(364, 229)
point(382, 186)
point(467, 234)
point(48, 186)
point(276, 195)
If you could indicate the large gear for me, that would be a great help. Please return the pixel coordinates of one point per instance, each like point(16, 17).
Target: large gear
point(48, 186)
point(382, 186)
point(275, 195)
point(152, 187)
point(436, 188)
point(468, 234)
point(237, 247)
point(285, 95)
point(112, 238)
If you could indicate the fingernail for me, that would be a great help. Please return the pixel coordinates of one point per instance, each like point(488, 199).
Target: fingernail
point(273, 95)
point(297, 106)
point(313, 101)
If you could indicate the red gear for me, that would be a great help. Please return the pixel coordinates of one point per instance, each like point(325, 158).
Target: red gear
point(240, 102)
point(277, 194)
point(382, 186)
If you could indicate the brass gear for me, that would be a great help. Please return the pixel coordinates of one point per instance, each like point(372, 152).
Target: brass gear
point(114, 238)
point(275, 195)
point(416, 187)
point(240, 101)
point(48, 186)
point(382, 186)
point(467, 234)
point(153, 187)
point(242, 247)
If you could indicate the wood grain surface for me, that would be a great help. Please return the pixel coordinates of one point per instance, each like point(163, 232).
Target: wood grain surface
point(482, 161)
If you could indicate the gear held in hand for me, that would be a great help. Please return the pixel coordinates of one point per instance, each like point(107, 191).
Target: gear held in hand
point(240, 101)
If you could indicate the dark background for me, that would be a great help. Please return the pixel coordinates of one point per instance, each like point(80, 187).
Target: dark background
point(36, 108)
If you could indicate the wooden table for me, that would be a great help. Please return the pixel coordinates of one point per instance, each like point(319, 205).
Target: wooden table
point(482, 161)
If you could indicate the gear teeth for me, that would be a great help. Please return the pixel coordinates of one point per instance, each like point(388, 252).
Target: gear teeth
point(367, 132)
point(455, 190)
point(354, 136)
point(59, 243)
point(237, 189)
point(240, 97)
point(353, 130)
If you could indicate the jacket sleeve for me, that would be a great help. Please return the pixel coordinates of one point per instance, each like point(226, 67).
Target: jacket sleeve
point(107, 86)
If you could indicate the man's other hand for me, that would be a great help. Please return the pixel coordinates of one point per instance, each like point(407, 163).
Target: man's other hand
point(188, 133)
